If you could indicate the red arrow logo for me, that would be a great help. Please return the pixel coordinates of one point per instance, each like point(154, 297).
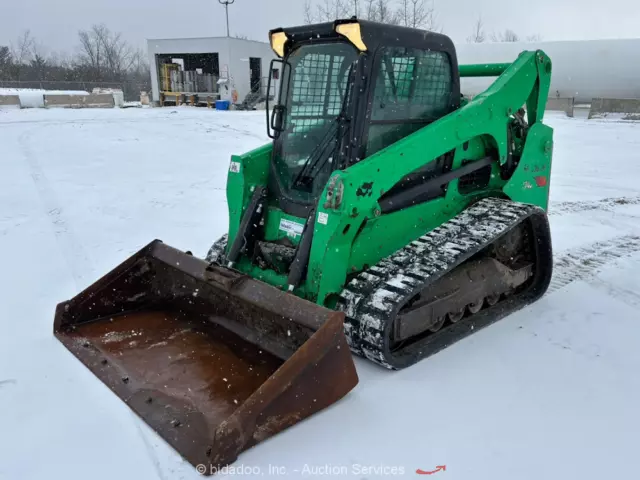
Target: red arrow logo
point(439, 468)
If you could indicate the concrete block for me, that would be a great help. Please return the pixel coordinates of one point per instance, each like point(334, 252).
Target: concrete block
point(9, 101)
point(623, 108)
point(561, 105)
point(79, 101)
point(118, 95)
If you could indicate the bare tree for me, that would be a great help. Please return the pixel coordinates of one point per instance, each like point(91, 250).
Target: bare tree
point(91, 51)
point(417, 14)
point(478, 35)
point(139, 63)
point(21, 52)
point(355, 5)
point(39, 66)
point(332, 9)
point(5, 56)
point(350, 8)
point(61, 59)
point(38, 62)
point(6, 62)
point(404, 15)
point(385, 14)
point(508, 36)
point(326, 11)
point(370, 9)
point(104, 52)
point(118, 53)
point(534, 38)
point(367, 9)
point(309, 17)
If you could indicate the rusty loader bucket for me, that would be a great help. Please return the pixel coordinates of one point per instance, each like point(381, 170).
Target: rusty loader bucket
point(214, 361)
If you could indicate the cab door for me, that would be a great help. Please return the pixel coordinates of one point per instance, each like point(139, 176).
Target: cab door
point(413, 87)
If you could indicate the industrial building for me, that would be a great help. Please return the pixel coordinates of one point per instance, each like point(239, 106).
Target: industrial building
point(203, 70)
point(582, 69)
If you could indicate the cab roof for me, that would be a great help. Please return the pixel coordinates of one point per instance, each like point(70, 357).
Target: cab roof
point(374, 35)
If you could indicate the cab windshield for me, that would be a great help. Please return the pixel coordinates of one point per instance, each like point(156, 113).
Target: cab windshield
point(314, 94)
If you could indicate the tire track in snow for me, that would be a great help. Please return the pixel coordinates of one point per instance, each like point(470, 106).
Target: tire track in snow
point(246, 133)
point(74, 254)
point(584, 262)
point(605, 204)
point(78, 121)
point(627, 296)
point(151, 453)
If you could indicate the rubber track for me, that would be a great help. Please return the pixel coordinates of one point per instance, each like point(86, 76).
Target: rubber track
point(372, 299)
point(216, 252)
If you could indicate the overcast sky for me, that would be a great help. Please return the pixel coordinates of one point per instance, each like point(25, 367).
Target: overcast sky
point(55, 23)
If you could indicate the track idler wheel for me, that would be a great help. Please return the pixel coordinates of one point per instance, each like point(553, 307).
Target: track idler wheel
point(438, 325)
point(455, 317)
point(476, 306)
point(492, 300)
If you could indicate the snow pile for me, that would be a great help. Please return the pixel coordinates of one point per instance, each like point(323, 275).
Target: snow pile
point(132, 105)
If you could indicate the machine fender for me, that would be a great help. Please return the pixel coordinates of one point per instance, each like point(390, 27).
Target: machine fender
point(530, 181)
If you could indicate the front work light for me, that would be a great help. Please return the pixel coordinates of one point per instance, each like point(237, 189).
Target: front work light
point(353, 33)
point(278, 41)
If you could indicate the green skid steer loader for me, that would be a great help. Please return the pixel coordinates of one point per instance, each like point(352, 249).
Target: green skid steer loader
point(390, 217)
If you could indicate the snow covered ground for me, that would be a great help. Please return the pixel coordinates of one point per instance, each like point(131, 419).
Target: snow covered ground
point(550, 392)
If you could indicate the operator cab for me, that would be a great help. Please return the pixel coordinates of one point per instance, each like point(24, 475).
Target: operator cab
point(349, 89)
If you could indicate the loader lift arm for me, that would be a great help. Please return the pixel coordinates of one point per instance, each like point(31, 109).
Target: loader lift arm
point(525, 81)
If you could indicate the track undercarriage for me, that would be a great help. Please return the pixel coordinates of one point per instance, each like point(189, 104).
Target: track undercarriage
point(487, 262)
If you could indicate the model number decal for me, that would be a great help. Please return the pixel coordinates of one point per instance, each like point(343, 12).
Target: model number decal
point(235, 167)
point(291, 227)
point(323, 218)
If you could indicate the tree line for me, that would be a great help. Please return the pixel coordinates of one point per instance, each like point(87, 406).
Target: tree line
point(105, 56)
point(409, 13)
point(101, 56)
point(480, 35)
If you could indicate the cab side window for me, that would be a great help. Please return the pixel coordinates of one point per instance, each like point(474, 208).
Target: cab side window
point(413, 89)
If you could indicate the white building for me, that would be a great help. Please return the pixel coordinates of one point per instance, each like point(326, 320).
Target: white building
point(232, 67)
point(582, 69)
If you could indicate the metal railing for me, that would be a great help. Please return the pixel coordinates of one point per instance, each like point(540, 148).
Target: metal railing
point(262, 87)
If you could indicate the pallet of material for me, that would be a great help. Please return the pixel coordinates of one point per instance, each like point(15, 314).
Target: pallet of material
point(189, 98)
